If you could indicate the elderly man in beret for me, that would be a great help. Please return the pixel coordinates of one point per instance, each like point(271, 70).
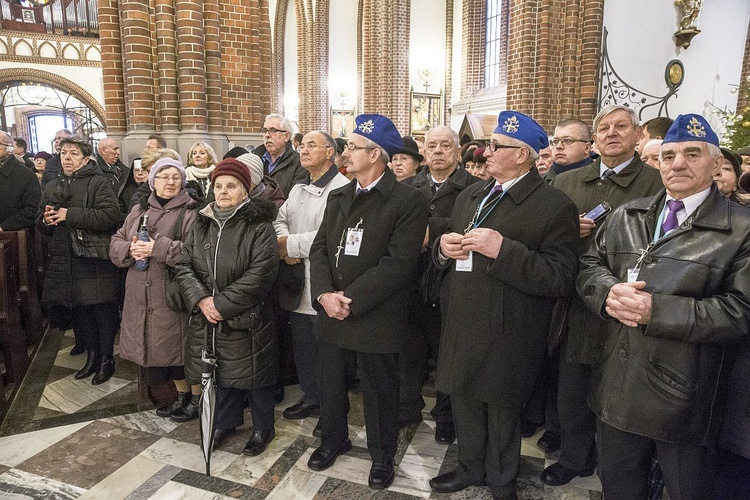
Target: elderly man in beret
point(670, 275)
point(510, 252)
point(362, 262)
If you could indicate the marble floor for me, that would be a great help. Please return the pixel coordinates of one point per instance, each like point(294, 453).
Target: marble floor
point(64, 439)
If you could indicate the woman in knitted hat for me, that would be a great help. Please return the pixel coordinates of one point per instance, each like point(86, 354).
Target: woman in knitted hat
point(202, 160)
point(151, 334)
point(226, 273)
point(40, 163)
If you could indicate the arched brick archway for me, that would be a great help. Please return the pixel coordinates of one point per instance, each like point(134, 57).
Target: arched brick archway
point(56, 81)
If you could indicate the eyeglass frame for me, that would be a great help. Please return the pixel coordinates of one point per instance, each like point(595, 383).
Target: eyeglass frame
point(303, 146)
point(555, 141)
point(494, 146)
point(176, 179)
point(272, 130)
point(353, 147)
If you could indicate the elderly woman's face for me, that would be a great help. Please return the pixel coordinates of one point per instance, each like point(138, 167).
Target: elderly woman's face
point(200, 157)
point(229, 191)
point(72, 158)
point(167, 183)
point(40, 164)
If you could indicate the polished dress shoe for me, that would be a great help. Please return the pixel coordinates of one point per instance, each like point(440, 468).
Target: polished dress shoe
point(528, 428)
point(105, 371)
point(166, 411)
point(445, 433)
point(91, 366)
point(220, 435)
point(451, 482)
point(317, 432)
point(549, 442)
point(322, 458)
point(77, 349)
point(190, 411)
point(258, 442)
point(381, 475)
point(301, 410)
point(557, 475)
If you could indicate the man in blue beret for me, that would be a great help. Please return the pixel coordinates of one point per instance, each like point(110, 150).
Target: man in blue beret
point(670, 276)
point(511, 249)
point(362, 262)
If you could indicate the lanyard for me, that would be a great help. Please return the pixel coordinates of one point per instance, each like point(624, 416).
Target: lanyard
point(474, 222)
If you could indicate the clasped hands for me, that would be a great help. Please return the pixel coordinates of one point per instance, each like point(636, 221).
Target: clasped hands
point(140, 250)
point(481, 240)
point(335, 304)
point(629, 304)
point(52, 216)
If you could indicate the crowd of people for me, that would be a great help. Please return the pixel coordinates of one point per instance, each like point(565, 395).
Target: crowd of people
point(593, 283)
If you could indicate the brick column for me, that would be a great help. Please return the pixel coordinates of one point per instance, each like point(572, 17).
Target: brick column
point(742, 98)
point(166, 59)
point(312, 64)
point(448, 92)
point(212, 49)
point(191, 65)
point(114, 87)
point(138, 65)
point(277, 66)
point(473, 46)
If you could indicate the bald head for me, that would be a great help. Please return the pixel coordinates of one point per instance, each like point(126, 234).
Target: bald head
point(109, 150)
point(6, 145)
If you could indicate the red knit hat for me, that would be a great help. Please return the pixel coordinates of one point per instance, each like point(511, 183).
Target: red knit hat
point(236, 169)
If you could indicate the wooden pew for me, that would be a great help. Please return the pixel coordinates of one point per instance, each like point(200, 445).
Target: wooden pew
point(31, 312)
point(11, 334)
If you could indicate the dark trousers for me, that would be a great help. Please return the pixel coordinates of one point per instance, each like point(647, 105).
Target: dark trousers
point(542, 405)
point(380, 393)
point(577, 421)
point(733, 476)
point(96, 327)
point(625, 459)
point(489, 443)
point(230, 407)
point(305, 347)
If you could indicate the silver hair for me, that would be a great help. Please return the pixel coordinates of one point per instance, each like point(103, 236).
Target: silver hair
point(611, 109)
point(533, 155)
point(330, 142)
point(286, 123)
point(383, 153)
point(442, 128)
point(713, 150)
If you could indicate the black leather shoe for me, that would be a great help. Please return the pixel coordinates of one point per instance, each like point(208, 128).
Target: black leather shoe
point(445, 433)
point(190, 411)
point(258, 442)
point(549, 442)
point(179, 403)
point(105, 371)
point(451, 482)
point(77, 349)
point(220, 435)
point(557, 475)
point(301, 410)
point(317, 432)
point(91, 366)
point(322, 458)
point(528, 429)
point(381, 475)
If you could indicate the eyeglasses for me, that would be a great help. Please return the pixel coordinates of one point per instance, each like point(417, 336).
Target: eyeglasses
point(353, 147)
point(302, 147)
point(9, 145)
point(493, 146)
point(272, 130)
point(565, 142)
point(167, 178)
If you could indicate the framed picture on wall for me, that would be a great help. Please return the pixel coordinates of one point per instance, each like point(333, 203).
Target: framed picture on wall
point(342, 122)
point(426, 112)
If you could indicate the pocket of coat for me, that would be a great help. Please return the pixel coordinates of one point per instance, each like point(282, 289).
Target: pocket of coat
point(669, 381)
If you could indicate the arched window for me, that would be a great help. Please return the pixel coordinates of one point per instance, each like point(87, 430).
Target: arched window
point(496, 44)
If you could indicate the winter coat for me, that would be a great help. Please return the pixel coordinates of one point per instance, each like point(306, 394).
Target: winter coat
point(666, 380)
point(299, 219)
point(20, 195)
point(93, 213)
point(288, 171)
point(244, 255)
point(496, 317)
point(269, 190)
point(151, 334)
point(123, 185)
point(587, 190)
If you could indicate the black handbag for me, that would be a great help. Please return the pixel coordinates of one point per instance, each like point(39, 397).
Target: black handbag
point(429, 285)
point(172, 292)
point(291, 281)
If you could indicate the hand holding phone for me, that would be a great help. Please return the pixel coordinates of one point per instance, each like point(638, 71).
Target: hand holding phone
point(598, 212)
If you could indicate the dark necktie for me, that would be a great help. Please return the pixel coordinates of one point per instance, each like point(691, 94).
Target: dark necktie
point(360, 191)
point(495, 192)
point(607, 173)
point(671, 220)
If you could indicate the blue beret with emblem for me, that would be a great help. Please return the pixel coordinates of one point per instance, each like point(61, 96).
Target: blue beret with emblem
point(522, 127)
point(691, 127)
point(379, 130)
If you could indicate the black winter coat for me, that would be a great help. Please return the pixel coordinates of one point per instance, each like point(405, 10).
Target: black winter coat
point(123, 185)
point(244, 255)
point(92, 208)
point(20, 195)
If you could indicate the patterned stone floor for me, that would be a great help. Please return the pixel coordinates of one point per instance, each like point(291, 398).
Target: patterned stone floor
point(67, 439)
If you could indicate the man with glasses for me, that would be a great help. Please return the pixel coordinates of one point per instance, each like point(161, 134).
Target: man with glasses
point(363, 262)
point(510, 250)
point(570, 147)
point(618, 176)
point(441, 182)
point(280, 160)
point(19, 189)
point(296, 225)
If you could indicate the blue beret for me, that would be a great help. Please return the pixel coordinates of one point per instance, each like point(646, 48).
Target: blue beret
point(379, 130)
point(691, 127)
point(524, 128)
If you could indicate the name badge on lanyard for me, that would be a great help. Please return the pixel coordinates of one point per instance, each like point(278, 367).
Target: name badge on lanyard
point(353, 241)
point(465, 265)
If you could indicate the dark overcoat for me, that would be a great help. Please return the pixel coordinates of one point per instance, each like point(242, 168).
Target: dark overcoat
point(20, 194)
point(393, 218)
point(496, 318)
point(587, 190)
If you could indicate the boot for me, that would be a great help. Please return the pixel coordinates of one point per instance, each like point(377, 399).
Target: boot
point(77, 349)
point(166, 411)
point(92, 363)
point(106, 370)
point(188, 412)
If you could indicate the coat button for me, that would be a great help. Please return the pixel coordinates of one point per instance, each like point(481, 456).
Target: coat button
point(432, 207)
point(648, 259)
point(623, 354)
point(599, 183)
point(340, 276)
point(149, 310)
point(148, 282)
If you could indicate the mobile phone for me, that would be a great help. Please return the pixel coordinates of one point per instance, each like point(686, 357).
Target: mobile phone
point(598, 212)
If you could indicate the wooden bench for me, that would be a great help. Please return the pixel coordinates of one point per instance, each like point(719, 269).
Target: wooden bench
point(12, 339)
point(26, 274)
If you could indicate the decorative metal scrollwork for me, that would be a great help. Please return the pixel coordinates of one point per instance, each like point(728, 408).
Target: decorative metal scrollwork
point(613, 90)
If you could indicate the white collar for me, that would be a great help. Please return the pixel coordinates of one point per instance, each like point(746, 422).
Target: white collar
point(372, 185)
point(617, 168)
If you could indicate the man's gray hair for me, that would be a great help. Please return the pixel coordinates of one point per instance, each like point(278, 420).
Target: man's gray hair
point(713, 150)
point(286, 123)
point(383, 153)
point(611, 109)
point(442, 128)
point(330, 142)
point(533, 155)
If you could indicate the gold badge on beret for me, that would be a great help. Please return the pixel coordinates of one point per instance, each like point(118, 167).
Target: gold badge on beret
point(366, 127)
point(511, 125)
point(695, 129)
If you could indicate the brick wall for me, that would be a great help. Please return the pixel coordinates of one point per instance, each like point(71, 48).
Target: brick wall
point(448, 92)
point(312, 64)
point(112, 74)
point(138, 64)
point(277, 66)
point(166, 65)
point(473, 42)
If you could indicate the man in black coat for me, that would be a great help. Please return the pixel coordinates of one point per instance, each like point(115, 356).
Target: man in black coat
point(441, 183)
point(510, 253)
point(117, 173)
point(362, 262)
point(19, 189)
point(280, 160)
